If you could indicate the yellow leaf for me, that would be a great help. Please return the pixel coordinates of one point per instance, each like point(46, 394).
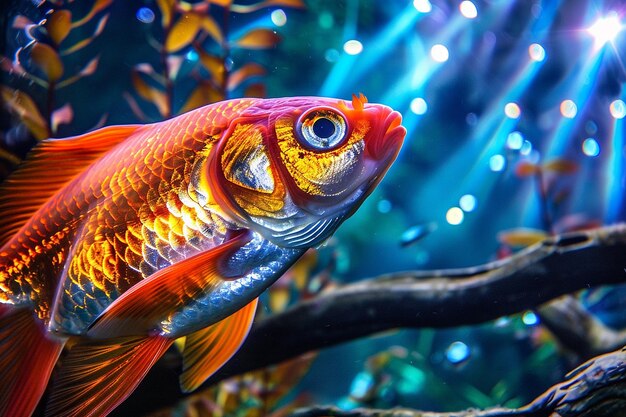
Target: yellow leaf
point(25, 108)
point(561, 166)
point(210, 26)
point(98, 6)
point(183, 32)
point(59, 25)
point(258, 39)
point(151, 94)
point(213, 64)
point(521, 236)
point(81, 44)
point(279, 298)
point(166, 7)
point(222, 3)
point(243, 73)
point(47, 60)
point(205, 93)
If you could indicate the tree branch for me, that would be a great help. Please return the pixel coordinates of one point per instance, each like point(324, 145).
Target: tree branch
point(597, 388)
point(442, 298)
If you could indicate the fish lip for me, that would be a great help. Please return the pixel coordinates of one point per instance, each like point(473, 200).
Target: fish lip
point(386, 147)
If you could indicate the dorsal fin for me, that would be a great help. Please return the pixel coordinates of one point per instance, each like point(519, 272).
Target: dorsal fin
point(49, 166)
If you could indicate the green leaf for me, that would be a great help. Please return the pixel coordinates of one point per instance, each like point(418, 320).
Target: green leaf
point(258, 39)
point(183, 32)
point(47, 60)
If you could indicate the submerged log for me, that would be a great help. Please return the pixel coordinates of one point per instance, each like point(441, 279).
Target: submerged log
point(443, 298)
point(595, 389)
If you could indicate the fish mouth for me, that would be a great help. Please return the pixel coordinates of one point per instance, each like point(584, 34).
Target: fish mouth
point(386, 146)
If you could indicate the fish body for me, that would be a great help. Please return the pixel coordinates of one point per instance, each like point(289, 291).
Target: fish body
point(117, 242)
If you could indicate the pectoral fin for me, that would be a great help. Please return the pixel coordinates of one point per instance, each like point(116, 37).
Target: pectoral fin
point(208, 349)
point(96, 376)
point(140, 309)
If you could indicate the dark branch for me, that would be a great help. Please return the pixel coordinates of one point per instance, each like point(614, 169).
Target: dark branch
point(442, 298)
point(596, 388)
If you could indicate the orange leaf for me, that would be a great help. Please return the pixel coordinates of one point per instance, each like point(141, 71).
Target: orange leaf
point(222, 3)
point(561, 166)
point(183, 32)
point(205, 93)
point(47, 60)
point(258, 39)
point(166, 7)
point(21, 104)
point(521, 236)
point(243, 73)
point(63, 115)
point(81, 44)
point(296, 4)
point(526, 169)
point(255, 90)
point(210, 26)
point(87, 70)
point(59, 25)
point(151, 94)
point(98, 6)
point(213, 64)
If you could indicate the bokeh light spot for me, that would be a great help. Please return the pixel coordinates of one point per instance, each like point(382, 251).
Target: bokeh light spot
point(422, 6)
point(384, 206)
point(512, 110)
point(279, 18)
point(568, 109)
point(353, 47)
point(439, 53)
point(419, 106)
point(145, 15)
point(591, 147)
point(192, 56)
point(529, 318)
point(536, 52)
point(618, 109)
point(468, 9)
point(457, 352)
point(526, 148)
point(514, 140)
point(467, 203)
point(497, 163)
point(605, 29)
point(331, 55)
point(454, 216)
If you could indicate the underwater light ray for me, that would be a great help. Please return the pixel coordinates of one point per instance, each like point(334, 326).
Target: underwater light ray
point(578, 87)
point(345, 78)
point(614, 174)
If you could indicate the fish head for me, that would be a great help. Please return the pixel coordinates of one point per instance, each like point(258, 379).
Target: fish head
point(293, 169)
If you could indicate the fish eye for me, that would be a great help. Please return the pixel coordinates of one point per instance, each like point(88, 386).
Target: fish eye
point(322, 129)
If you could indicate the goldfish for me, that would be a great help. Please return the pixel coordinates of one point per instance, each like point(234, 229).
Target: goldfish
point(116, 243)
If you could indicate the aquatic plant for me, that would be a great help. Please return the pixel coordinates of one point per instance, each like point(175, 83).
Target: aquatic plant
point(42, 63)
point(191, 30)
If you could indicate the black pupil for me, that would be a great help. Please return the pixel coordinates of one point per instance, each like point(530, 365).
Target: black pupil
point(323, 128)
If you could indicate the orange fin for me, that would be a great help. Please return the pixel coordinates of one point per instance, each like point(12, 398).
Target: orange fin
point(97, 376)
point(151, 300)
point(27, 358)
point(49, 166)
point(208, 349)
